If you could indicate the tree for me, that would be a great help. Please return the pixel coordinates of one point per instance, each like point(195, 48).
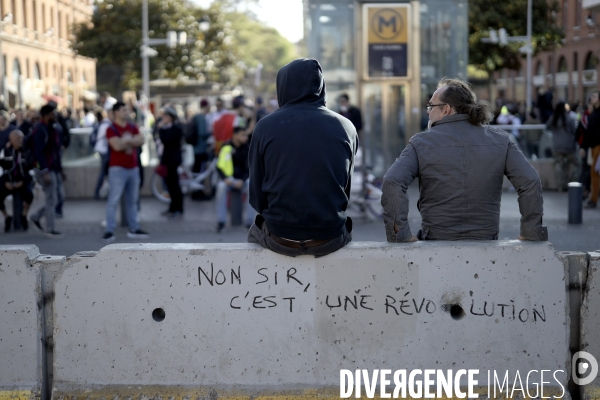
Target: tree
point(512, 16)
point(114, 38)
point(260, 44)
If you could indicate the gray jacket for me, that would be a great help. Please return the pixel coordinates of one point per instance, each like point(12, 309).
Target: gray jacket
point(461, 167)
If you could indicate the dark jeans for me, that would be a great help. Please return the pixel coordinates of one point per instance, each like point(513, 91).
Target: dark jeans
point(199, 159)
point(172, 182)
point(259, 234)
point(24, 191)
point(102, 173)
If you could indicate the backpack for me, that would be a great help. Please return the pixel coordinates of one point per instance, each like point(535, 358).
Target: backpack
point(190, 133)
point(94, 135)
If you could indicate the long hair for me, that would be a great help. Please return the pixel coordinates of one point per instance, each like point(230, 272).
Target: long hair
point(559, 112)
point(458, 95)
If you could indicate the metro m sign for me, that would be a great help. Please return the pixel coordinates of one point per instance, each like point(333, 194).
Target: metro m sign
point(387, 23)
point(386, 28)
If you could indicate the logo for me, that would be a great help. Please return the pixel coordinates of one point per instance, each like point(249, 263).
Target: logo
point(387, 23)
point(583, 363)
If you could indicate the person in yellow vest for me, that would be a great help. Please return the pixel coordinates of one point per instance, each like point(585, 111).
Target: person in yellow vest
point(232, 166)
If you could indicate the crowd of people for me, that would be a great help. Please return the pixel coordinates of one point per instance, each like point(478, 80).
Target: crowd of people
point(573, 138)
point(32, 143)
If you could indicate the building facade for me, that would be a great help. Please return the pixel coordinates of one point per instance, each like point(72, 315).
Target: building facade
point(37, 63)
point(571, 69)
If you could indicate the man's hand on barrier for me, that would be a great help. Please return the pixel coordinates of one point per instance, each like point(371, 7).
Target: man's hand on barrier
point(8, 185)
point(412, 238)
point(18, 184)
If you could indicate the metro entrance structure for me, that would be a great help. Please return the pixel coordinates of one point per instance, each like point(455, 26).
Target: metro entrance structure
point(388, 56)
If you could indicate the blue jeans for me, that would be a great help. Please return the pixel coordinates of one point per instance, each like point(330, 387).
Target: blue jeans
point(222, 190)
point(122, 180)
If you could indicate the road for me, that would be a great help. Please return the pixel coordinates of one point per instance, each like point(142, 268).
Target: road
point(81, 225)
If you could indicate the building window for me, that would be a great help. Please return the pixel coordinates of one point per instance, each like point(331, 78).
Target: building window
point(59, 26)
point(539, 70)
point(575, 62)
point(34, 14)
point(36, 72)
point(14, 11)
point(591, 61)
point(578, 13)
point(25, 14)
point(43, 17)
point(562, 65)
point(16, 71)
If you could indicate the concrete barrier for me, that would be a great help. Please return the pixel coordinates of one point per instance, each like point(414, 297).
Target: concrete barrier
point(590, 326)
point(21, 355)
point(235, 320)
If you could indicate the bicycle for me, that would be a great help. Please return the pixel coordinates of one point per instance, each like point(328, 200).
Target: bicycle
point(189, 181)
point(368, 197)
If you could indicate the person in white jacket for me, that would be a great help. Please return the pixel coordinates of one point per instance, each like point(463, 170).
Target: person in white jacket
point(101, 147)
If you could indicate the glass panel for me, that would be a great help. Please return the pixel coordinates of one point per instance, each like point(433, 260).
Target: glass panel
point(384, 125)
point(444, 51)
point(331, 42)
point(372, 139)
point(394, 141)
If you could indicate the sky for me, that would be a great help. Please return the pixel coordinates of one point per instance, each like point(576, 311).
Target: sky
point(283, 15)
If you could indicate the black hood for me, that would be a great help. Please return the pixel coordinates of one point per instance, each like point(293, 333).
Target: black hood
point(301, 81)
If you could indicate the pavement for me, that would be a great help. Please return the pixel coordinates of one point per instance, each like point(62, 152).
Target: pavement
point(82, 225)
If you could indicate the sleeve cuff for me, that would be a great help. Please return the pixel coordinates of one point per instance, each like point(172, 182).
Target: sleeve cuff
point(537, 233)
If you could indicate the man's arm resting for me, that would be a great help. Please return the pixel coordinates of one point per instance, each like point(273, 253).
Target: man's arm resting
point(394, 198)
point(527, 182)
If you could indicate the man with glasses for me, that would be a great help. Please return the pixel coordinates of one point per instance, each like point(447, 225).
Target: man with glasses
point(460, 163)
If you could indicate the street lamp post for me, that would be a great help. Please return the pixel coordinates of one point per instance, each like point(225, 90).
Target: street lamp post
point(172, 40)
point(502, 38)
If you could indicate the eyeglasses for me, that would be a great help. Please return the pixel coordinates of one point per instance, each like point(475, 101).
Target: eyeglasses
point(430, 106)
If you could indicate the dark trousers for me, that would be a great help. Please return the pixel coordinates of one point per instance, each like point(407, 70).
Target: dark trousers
point(259, 234)
point(199, 159)
point(172, 182)
point(104, 158)
point(24, 191)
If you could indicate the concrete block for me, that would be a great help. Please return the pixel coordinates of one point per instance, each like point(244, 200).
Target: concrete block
point(590, 324)
point(576, 265)
point(75, 183)
point(227, 320)
point(20, 324)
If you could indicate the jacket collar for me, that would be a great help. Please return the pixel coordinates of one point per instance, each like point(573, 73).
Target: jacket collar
point(451, 118)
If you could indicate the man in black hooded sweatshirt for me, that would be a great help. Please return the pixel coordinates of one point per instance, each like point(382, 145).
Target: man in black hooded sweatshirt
point(301, 162)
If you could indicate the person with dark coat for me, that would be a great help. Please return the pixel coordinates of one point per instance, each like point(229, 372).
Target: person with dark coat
point(5, 128)
point(47, 143)
point(351, 112)
point(301, 163)
point(563, 126)
point(591, 140)
point(15, 178)
point(171, 136)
